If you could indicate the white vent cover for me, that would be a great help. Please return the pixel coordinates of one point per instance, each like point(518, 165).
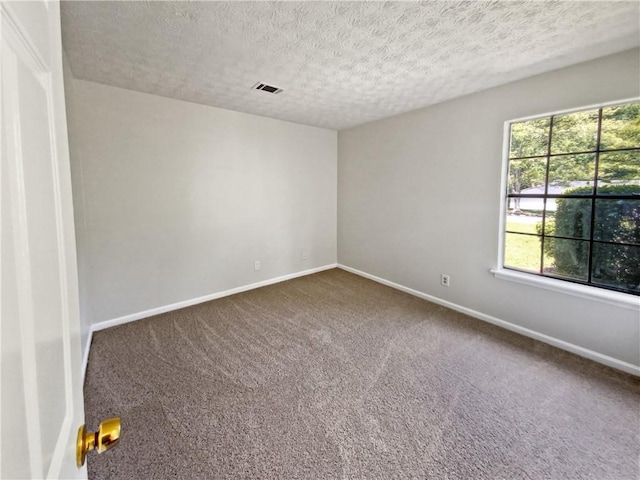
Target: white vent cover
point(266, 88)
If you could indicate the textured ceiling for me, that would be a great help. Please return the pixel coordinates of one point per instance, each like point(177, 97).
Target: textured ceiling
point(340, 63)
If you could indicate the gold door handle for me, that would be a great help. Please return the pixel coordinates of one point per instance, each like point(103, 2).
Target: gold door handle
point(106, 437)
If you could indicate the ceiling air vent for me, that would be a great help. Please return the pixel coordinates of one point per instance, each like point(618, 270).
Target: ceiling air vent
point(266, 88)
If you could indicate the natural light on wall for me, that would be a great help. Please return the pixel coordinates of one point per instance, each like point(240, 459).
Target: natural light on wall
point(573, 197)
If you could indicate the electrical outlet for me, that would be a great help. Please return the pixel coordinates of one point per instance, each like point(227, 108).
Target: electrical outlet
point(445, 280)
point(304, 255)
point(256, 265)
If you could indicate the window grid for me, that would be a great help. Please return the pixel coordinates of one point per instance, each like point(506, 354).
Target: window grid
point(593, 197)
point(546, 192)
point(583, 152)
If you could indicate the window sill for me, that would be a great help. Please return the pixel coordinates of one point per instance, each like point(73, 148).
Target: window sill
point(622, 300)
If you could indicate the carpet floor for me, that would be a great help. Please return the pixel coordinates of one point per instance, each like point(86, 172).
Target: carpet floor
point(335, 376)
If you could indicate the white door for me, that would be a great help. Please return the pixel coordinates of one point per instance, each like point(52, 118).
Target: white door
point(40, 376)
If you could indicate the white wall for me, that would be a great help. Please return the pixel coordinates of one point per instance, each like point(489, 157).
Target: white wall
point(175, 200)
point(418, 195)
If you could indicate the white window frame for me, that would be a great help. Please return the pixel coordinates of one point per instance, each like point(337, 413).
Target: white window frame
point(619, 299)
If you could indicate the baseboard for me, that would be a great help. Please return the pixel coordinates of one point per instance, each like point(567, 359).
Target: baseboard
point(581, 351)
point(194, 301)
point(569, 347)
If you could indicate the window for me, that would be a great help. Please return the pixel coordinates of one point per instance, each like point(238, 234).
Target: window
point(573, 197)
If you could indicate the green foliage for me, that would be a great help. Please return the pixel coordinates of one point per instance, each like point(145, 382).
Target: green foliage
point(526, 173)
point(619, 166)
point(567, 168)
point(576, 132)
point(615, 221)
point(523, 251)
point(550, 229)
point(529, 139)
point(620, 127)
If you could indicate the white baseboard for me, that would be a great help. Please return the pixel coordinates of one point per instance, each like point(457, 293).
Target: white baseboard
point(570, 347)
point(187, 303)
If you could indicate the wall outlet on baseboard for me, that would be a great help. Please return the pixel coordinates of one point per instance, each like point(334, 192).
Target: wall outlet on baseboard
point(256, 265)
point(304, 255)
point(445, 280)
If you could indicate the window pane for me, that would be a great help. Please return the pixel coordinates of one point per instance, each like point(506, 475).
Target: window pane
point(616, 266)
point(529, 139)
point(527, 176)
point(566, 258)
point(618, 221)
point(575, 132)
point(573, 174)
point(619, 168)
point(522, 252)
point(620, 127)
point(572, 218)
point(550, 206)
point(593, 157)
point(524, 223)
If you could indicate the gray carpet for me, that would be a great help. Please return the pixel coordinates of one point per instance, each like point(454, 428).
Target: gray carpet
point(335, 376)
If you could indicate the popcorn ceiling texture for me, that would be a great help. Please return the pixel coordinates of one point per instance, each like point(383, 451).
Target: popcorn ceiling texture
point(340, 64)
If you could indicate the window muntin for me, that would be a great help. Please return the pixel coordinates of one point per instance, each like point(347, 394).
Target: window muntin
point(573, 197)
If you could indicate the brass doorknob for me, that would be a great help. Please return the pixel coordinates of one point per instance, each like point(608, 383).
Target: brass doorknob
point(106, 437)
